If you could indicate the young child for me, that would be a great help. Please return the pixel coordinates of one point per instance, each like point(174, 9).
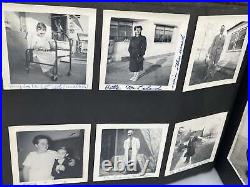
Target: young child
point(64, 165)
point(38, 164)
point(42, 46)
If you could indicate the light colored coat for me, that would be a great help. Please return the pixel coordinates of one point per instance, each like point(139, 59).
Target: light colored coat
point(216, 48)
point(135, 148)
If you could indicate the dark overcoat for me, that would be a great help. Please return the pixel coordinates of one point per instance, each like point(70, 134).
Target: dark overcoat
point(69, 172)
point(137, 49)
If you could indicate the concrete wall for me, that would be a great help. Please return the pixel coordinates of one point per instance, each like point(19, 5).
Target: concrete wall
point(13, 20)
point(33, 18)
point(230, 58)
point(153, 48)
point(17, 41)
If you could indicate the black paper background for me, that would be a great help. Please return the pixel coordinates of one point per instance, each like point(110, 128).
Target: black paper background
point(34, 107)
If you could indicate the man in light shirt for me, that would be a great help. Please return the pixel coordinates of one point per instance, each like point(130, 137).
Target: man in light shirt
point(131, 148)
point(38, 164)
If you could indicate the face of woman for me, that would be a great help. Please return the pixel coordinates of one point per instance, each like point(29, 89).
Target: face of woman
point(138, 31)
point(42, 145)
point(41, 32)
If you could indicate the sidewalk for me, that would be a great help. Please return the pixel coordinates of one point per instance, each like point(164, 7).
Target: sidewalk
point(156, 72)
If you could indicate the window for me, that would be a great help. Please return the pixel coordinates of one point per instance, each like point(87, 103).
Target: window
point(121, 30)
point(59, 26)
point(22, 19)
point(163, 33)
point(237, 39)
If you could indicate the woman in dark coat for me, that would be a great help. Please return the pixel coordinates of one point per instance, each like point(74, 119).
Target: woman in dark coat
point(137, 48)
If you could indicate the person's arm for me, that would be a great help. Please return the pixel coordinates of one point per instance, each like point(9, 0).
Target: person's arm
point(71, 162)
point(26, 170)
point(138, 144)
point(27, 166)
point(143, 46)
point(125, 145)
point(52, 45)
point(130, 47)
point(54, 172)
point(30, 41)
point(209, 50)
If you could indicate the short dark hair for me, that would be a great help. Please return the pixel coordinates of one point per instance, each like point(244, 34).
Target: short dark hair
point(63, 148)
point(41, 25)
point(36, 139)
point(138, 26)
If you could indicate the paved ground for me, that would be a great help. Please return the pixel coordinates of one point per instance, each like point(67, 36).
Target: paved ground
point(156, 72)
point(199, 73)
point(35, 76)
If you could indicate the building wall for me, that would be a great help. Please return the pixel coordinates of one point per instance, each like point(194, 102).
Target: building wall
point(16, 42)
point(13, 20)
point(153, 49)
point(230, 58)
point(33, 18)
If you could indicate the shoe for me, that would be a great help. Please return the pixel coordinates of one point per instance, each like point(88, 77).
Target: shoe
point(135, 78)
point(132, 78)
point(49, 74)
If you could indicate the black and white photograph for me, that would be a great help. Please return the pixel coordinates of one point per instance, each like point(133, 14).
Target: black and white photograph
point(195, 142)
point(50, 154)
point(47, 47)
point(129, 151)
point(238, 155)
point(218, 50)
point(141, 50)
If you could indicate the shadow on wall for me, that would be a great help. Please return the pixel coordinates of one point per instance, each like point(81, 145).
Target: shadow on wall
point(17, 45)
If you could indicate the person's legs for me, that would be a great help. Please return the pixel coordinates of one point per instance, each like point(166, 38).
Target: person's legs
point(136, 77)
point(209, 72)
point(187, 159)
point(133, 77)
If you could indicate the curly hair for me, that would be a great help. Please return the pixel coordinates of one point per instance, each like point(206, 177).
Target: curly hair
point(36, 139)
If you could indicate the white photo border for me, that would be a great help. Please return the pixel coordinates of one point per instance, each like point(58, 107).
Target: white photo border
point(183, 21)
point(13, 130)
point(205, 19)
point(245, 115)
point(90, 12)
point(168, 172)
point(101, 127)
